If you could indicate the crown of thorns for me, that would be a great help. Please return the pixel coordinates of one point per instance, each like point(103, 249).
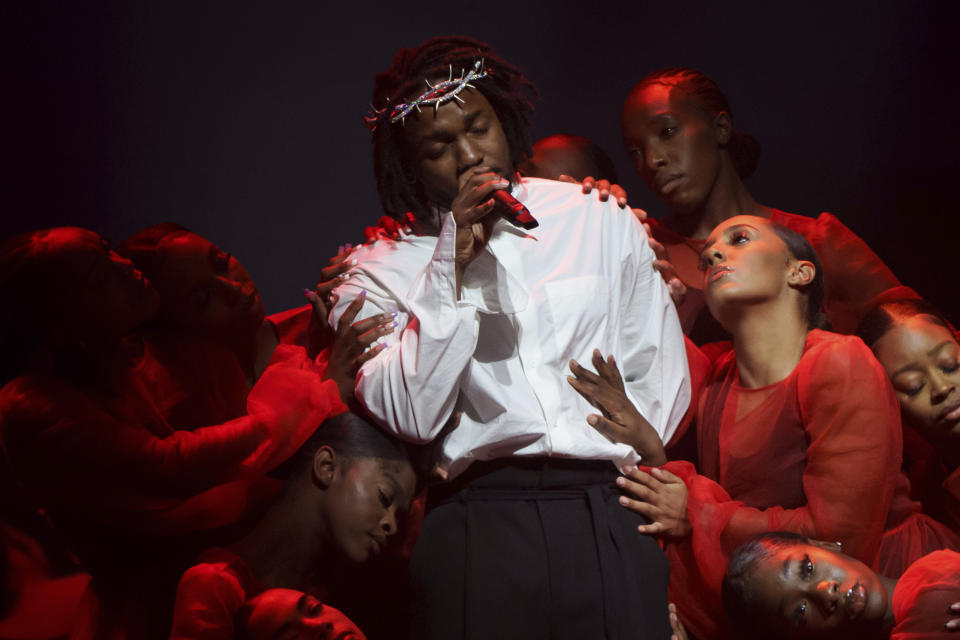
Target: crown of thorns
point(436, 95)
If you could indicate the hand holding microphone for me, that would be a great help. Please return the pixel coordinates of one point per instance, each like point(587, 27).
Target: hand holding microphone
point(482, 195)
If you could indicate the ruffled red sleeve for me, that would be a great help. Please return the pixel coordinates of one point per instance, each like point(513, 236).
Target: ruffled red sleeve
point(293, 325)
point(209, 596)
point(923, 595)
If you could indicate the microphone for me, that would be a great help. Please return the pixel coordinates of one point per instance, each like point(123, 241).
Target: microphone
point(513, 211)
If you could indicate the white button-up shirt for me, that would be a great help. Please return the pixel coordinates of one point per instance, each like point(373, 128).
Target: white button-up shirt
point(530, 302)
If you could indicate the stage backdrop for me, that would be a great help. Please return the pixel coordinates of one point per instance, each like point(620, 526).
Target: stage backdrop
point(242, 121)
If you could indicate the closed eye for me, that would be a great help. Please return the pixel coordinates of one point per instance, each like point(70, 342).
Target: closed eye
point(914, 390)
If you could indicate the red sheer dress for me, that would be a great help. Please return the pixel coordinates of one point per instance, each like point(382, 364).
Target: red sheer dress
point(209, 596)
point(855, 279)
point(923, 595)
point(817, 453)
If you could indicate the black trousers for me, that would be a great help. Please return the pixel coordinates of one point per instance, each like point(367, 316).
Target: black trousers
point(536, 548)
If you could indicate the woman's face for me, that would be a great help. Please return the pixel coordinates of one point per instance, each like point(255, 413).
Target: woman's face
point(922, 359)
point(674, 146)
point(285, 614)
point(814, 591)
point(743, 262)
point(205, 290)
point(103, 293)
point(364, 502)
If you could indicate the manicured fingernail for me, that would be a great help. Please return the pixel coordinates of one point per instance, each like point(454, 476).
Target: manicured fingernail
point(394, 324)
point(621, 481)
point(625, 469)
point(592, 420)
point(954, 607)
point(352, 263)
point(393, 314)
point(624, 500)
point(307, 292)
point(363, 293)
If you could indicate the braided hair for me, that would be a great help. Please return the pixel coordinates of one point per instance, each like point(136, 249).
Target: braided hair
point(743, 148)
point(507, 90)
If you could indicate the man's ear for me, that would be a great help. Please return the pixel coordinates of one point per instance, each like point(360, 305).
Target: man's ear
point(802, 273)
point(723, 127)
point(324, 467)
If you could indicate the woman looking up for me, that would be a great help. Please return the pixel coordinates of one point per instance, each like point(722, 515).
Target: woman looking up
point(677, 126)
point(797, 430)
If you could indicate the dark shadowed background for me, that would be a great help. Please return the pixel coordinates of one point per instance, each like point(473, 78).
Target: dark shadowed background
point(242, 120)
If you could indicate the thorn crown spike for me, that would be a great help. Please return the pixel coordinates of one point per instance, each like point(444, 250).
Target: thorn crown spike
point(436, 95)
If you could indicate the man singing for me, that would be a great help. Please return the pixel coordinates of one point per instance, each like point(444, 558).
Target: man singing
point(526, 538)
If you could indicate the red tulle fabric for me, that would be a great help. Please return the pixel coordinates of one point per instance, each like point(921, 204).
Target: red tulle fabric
point(923, 595)
point(293, 325)
point(855, 279)
point(910, 534)
point(194, 382)
point(816, 453)
point(209, 596)
point(45, 605)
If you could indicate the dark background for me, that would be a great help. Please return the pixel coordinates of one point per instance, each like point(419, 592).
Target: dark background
point(242, 120)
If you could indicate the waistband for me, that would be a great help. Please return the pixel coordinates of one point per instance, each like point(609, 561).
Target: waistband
point(526, 478)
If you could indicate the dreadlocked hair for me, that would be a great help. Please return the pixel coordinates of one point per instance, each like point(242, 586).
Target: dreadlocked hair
point(507, 90)
point(743, 148)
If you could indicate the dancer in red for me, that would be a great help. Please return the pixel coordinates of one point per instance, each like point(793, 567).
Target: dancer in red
point(678, 127)
point(208, 299)
point(796, 428)
point(788, 586)
point(87, 436)
point(343, 495)
point(920, 352)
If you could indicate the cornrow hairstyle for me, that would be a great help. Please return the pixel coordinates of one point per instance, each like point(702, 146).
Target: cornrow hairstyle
point(737, 591)
point(801, 249)
point(507, 90)
point(886, 316)
point(743, 148)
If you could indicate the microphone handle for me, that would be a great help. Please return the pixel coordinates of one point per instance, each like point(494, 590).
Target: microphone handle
point(513, 211)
